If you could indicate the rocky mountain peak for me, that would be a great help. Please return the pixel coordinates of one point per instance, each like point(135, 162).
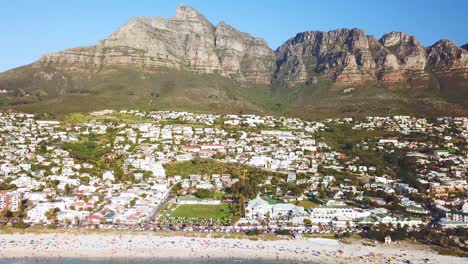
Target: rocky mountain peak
point(446, 45)
point(410, 53)
point(187, 41)
point(350, 57)
point(394, 38)
point(342, 55)
point(152, 60)
point(444, 55)
point(357, 39)
point(191, 21)
point(187, 13)
point(465, 47)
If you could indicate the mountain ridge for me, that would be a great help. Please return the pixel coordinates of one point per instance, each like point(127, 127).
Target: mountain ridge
point(185, 41)
point(350, 57)
point(223, 49)
point(317, 63)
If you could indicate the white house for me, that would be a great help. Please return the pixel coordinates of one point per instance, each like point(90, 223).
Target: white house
point(108, 176)
point(326, 214)
point(37, 214)
point(259, 208)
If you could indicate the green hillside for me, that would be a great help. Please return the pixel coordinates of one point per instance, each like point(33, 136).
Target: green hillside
point(44, 89)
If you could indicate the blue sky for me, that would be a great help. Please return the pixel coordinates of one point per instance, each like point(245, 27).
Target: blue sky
point(32, 28)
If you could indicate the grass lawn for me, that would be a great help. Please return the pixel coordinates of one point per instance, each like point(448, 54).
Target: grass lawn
point(307, 204)
point(203, 211)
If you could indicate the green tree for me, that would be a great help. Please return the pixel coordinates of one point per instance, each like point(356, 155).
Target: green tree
point(204, 193)
point(51, 215)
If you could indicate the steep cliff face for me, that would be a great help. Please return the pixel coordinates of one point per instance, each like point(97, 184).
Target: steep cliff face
point(243, 57)
point(444, 56)
point(408, 67)
point(349, 58)
point(410, 53)
point(449, 64)
point(187, 41)
point(157, 63)
point(342, 55)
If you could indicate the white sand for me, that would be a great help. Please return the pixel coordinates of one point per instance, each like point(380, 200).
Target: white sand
point(151, 246)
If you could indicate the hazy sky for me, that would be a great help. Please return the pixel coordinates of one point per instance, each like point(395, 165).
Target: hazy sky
point(31, 28)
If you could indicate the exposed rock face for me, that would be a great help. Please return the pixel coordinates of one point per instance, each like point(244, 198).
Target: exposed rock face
point(243, 56)
point(349, 57)
point(342, 55)
point(445, 56)
point(387, 65)
point(408, 61)
point(187, 41)
point(411, 55)
point(449, 64)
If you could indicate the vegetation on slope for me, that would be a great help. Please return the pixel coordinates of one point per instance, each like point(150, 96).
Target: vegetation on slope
point(44, 89)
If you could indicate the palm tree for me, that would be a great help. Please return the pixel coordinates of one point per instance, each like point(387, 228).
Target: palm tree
point(267, 218)
point(382, 227)
point(289, 217)
point(51, 215)
point(243, 178)
point(5, 213)
point(9, 214)
point(21, 213)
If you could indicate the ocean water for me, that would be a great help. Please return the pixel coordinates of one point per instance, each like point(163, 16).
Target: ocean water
point(75, 261)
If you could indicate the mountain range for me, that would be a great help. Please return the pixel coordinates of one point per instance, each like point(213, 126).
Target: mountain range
point(187, 63)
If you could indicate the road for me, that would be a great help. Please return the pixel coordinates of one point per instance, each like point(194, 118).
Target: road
point(158, 208)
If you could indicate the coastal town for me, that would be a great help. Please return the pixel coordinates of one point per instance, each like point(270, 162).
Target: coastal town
point(384, 178)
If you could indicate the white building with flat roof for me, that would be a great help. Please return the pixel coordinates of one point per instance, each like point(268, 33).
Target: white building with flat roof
point(259, 208)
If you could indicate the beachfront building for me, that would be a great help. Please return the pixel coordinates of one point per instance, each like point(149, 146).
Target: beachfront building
point(10, 200)
point(72, 216)
point(402, 221)
point(326, 214)
point(259, 208)
point(38, 214)
point(388, 240)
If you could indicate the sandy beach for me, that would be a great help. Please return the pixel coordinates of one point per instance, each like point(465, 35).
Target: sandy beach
point(152, 246)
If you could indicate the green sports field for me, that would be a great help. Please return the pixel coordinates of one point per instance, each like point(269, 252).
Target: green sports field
point(203, 211)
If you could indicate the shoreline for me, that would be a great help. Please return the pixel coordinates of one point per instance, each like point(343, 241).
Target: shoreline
point(141, 259)
point(148, 247)
point(145, 260)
